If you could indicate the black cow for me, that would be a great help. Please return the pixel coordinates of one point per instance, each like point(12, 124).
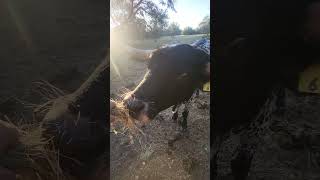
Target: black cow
point(174, 73)
point(77, 123)
point(282, 40)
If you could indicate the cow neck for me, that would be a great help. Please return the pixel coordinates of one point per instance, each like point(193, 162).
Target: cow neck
point(93, 92)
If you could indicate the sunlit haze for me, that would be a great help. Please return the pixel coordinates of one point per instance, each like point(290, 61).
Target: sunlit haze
point(189, 12)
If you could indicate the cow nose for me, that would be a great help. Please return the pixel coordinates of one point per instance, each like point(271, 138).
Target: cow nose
point(134, 105)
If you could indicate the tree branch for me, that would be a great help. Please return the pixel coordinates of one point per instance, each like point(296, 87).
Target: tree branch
point(140, 8)
point(135, 6)
point(131, 11)
point(134, 12)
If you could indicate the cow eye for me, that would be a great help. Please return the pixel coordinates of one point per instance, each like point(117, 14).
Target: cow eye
point(183, 75)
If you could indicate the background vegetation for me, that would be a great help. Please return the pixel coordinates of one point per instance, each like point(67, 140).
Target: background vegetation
point(149, 19)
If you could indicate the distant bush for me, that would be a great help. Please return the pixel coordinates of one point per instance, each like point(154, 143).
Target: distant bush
point(189, 31)
point(173, 29)
point(204, 26)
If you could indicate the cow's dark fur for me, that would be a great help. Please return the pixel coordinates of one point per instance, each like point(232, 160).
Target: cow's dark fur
point(246, 72)
point(272, 52)
point(78, 122)
point(174, 73)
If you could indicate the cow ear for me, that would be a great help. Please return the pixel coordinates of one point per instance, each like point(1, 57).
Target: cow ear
point(183, 75)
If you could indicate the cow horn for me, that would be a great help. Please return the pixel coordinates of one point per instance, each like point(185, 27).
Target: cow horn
point(139, 54)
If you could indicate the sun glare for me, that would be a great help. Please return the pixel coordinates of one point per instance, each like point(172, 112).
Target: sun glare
point(115, 47)
point(19, 24)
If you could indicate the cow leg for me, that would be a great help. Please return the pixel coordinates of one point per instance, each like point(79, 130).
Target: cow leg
point(175, 116)
point(175, 110)
point(183, 124)
point(213, 161)
point(280, 102)
point(240, 165)
point(185, 114)
point(214, 151)
point(197, 92)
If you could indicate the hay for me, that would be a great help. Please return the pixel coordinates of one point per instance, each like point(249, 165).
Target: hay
point(119, 115)
point(48, 92)
point(122, 122)
point(33, 155)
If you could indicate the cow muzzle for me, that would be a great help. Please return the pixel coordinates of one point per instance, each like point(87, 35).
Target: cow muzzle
point(138, 109)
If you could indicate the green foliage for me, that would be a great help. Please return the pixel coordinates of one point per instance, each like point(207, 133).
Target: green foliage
point(188, 31)
point(173, 29)
point(146, 15)
point(149, 19)
point(204, 26)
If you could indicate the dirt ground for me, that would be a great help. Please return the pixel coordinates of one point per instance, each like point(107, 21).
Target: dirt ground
point(147, 156)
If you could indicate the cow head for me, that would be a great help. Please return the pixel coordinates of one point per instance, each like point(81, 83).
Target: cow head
point(174, 73)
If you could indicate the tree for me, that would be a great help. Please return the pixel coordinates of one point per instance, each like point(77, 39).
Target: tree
point(173, 29)
point(188, 31)
point(204, 26)
point(147, 13)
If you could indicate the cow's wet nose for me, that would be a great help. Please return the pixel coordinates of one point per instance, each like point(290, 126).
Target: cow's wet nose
point(134, 105)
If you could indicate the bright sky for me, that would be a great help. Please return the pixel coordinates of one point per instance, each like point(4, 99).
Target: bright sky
point(189, 12)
